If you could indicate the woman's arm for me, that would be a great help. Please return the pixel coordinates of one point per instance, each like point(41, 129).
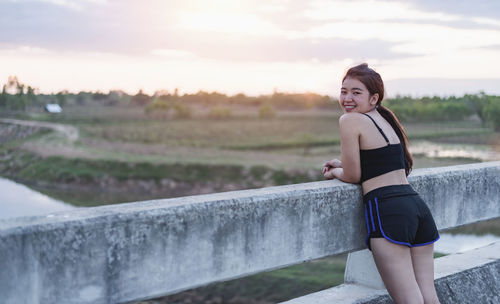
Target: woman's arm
point(349, 149)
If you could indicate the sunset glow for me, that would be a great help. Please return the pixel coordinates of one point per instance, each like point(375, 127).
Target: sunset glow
point(253, 47)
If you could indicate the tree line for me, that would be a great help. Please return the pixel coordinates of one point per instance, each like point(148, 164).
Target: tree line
point(17, 96)
point(486, 107)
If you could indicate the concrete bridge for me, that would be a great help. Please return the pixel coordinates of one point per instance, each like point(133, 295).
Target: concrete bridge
point(128, 252)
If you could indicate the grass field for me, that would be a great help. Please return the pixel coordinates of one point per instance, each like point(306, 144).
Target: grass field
point(255, 133)
point(129, 135)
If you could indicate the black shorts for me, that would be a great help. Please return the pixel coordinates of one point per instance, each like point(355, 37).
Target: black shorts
point(398, 214)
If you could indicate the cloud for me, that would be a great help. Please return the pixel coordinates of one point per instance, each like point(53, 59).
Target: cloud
point(494, 47)
point(117, 28)
point(232, 47)
point(174, 54)
point(465, 8)
point(71, 4)
point(58, 27)
point(27, 50)
point(247, 30)
point(370, 11)
point(410, 38)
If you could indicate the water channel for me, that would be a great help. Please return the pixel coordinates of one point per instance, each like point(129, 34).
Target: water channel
point(19, 200)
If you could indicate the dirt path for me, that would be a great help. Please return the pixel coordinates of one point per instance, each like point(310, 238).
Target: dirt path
point(70, 132)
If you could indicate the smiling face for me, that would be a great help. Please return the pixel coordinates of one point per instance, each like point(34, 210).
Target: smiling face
point(355, 97)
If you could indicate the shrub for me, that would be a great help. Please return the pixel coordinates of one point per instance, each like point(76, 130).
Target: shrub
point(158, 106)
point(266, 110)
point(219, 112)
point(182, 110)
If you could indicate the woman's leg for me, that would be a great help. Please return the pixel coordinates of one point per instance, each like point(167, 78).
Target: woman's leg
point(394, 263)
point(423, 266)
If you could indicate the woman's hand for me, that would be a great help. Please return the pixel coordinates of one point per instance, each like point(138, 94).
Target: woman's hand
point(328, 174)
point(329, 166)
point(333, 173)
point(334, 163)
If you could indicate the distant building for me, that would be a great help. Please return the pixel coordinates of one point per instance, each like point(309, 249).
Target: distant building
point(53, 108)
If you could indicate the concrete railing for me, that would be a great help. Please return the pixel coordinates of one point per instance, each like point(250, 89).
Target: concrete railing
point(134, 251)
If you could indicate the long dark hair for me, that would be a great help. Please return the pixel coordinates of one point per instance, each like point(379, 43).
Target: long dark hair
point(374, 84)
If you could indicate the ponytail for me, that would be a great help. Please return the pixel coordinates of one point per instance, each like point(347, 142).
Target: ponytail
point(398, 128)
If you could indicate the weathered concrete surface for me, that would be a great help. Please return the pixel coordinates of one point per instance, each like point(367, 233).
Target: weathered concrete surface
point(360, 269)
point(142, 250)
point(472, 277)
point(450, 192)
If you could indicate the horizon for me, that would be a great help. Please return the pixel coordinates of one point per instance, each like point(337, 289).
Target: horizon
point(442, 90)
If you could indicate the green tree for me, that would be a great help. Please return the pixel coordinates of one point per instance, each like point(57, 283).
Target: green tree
point(3, 97)
point(30, 95)
point(82, 97)
point(16, 95)
point(9, 93)
point(491, 113)
point(140, 98)
point(99, 96)
point(477, 104)
point(16, 100)
point(62, 98)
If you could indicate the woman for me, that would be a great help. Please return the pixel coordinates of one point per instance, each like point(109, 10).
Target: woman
point(374, 149)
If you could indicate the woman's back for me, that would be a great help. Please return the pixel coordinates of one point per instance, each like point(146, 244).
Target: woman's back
point(379, 148)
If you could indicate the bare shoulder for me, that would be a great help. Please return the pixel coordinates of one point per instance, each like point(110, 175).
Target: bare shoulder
point(351, 119)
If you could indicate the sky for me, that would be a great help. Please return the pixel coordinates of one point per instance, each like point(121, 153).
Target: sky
point(420, 47)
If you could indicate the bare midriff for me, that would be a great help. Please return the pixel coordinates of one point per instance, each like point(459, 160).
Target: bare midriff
point(396, 177)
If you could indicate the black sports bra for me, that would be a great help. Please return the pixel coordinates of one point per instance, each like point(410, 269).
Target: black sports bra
point(375, 162)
